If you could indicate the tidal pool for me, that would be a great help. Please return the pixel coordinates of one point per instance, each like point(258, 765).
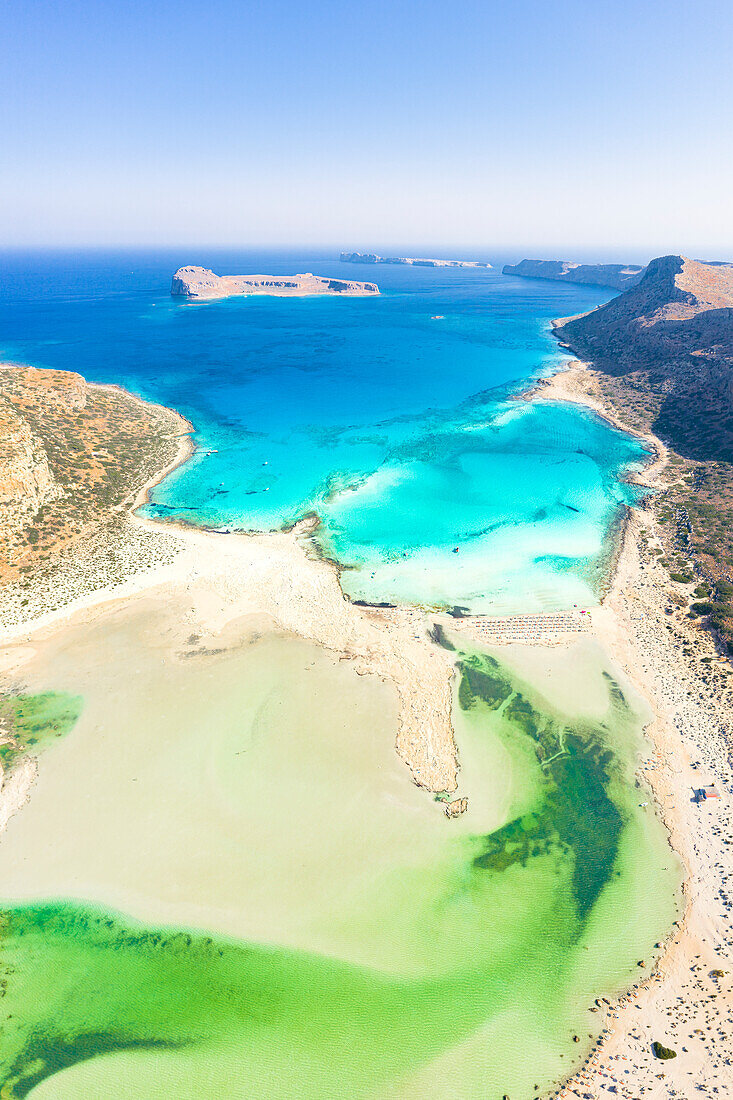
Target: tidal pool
point(225, 884)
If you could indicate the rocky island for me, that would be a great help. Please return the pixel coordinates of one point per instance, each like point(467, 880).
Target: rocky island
point(200, 282)
point(410, 261)
point(617, 276)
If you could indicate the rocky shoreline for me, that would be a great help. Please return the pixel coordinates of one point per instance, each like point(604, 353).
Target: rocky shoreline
point(616, 276)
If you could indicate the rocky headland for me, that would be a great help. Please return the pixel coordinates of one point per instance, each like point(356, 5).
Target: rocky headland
point(676, 325)
point(661, 359)
point(410, 261)
point(667, 621)
point(616, 276)
point(73, 456)
point(199, 282)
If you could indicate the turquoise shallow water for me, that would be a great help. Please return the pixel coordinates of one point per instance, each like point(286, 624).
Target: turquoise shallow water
point(470, 963)
point(390, 417)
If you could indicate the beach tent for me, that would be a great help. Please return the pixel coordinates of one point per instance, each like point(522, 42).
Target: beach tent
point(707, 792)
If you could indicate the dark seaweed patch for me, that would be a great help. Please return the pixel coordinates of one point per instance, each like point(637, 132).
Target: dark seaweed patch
point(481, 682)
point(32, 722)
point(577, 818)
point(614, 690)
point(439, 636)
point(45, 1055)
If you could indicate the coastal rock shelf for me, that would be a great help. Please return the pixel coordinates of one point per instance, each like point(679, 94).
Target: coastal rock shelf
point(617, 276)
point(200, 282)
point(410, 261)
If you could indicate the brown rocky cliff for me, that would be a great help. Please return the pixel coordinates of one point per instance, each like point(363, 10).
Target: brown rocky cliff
point(615, 276)
point(672, 335)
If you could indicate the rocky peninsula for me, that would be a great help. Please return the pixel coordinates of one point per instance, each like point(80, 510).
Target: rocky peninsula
point(409, 261)
point(200, 282)
point(662, 359)
point(617, 276)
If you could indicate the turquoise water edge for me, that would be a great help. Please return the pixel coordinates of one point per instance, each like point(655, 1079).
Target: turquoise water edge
point(261, 935)
point(389, 417)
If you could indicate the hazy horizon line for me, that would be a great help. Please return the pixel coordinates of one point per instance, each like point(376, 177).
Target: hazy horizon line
point(620, 253)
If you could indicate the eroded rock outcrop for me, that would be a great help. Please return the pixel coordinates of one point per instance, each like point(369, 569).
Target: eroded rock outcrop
point(616, 276)
point(200, 282)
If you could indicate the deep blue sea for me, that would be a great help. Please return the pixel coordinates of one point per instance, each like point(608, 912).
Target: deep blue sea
point(392, 417)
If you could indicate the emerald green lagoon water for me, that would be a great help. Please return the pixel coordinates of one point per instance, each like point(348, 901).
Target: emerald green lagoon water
point(225, 886)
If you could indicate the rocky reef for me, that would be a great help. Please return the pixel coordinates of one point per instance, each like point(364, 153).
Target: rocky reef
point(617, 276)
point(199, 282)
point(410, 261)
point(455, 808)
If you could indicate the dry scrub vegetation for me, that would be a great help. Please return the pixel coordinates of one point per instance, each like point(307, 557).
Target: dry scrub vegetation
point(72, 460)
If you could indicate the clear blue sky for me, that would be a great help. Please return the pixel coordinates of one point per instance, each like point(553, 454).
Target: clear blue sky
point(556, 124)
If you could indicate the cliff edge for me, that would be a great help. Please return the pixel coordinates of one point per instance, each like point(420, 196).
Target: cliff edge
point(200, 282)
point(673, 333)
point(616, 276)
point(680, 308)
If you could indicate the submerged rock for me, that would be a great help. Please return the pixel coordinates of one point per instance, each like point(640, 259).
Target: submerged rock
point(456, 808)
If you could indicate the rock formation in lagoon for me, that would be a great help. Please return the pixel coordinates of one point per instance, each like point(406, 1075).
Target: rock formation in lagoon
point(409, 261)
point(617, 276)
point(200, 282)
point(457, 807)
